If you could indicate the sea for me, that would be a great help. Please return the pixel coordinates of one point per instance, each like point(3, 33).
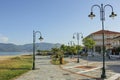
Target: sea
point(14, 53)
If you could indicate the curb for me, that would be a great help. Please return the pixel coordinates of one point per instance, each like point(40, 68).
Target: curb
point(89, 70)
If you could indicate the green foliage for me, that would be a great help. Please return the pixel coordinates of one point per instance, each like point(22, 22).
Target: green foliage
point(55, 50)
point(57, 62)
point(88, 42)
point(43, 52)
point(118, 49)
point(63, 48)
point(38, 51)
point(58, 55)
point(70, 49)
point(78, 47)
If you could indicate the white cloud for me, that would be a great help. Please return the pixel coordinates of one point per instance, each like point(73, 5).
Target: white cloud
point(3, 39)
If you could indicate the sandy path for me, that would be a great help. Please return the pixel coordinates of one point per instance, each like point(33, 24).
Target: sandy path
point(6, 57)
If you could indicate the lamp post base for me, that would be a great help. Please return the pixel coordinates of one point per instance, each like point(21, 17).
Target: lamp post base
point(33, 68)
point(103, 75)
point(78, 60)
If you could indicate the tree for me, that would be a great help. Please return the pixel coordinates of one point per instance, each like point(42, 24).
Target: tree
point(63, 48)
point(55, 50)
point(57, 55)
point(38, 52)
point(73, 49)
point(78, 47)
point(89, 43)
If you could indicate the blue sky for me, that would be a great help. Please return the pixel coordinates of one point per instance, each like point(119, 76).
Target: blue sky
point(57, 20)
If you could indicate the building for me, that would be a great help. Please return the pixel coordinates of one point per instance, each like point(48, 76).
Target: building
point(110, 39)
point(116, 41)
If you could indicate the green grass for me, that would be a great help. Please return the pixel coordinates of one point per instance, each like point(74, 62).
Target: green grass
point(14, 67)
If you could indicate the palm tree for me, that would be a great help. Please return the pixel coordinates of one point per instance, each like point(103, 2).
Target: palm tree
point(58, 55)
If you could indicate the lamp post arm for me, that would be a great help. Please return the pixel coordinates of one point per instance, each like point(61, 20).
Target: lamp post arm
point(100, 7)
point(95, 6)
point(38, 32)
point(109, 6)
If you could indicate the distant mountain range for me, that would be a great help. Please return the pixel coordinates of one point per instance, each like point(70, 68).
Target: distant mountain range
point(26, 47)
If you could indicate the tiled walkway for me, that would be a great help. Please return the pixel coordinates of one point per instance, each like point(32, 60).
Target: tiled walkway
point(71, 71)
point(46, 71)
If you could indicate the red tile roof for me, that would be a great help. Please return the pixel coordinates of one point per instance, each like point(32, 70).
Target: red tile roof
point(106, 32)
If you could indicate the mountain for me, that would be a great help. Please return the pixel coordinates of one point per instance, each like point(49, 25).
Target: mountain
point(9, 47)
point(26, 47)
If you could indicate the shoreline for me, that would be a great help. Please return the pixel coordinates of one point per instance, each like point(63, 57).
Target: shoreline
point(14, 53)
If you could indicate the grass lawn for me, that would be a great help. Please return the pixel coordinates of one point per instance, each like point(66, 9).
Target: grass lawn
point(13, 67)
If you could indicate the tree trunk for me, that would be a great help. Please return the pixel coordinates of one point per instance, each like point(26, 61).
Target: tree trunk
point(61, 60)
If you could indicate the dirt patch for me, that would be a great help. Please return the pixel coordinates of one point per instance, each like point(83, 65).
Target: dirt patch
point(86, 67)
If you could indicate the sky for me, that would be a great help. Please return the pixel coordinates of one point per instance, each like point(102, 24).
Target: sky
point(57, 20)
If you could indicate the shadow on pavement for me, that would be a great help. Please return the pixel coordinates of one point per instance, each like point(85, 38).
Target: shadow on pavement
point(114, 68)
point(98, 59)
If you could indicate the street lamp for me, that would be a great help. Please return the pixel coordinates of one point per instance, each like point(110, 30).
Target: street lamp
point(102, 18)
point(40, 38)
point(77, 34)
point(71, 43)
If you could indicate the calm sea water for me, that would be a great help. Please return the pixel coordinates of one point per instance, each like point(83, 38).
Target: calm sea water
point(13, 53)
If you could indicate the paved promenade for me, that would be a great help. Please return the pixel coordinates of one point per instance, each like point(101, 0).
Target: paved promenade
point(85, 70)
point(46, 71)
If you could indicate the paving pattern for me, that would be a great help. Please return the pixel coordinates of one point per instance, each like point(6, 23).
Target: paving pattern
point(46, 71)
point(72, 71)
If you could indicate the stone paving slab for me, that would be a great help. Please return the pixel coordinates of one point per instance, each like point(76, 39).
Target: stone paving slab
point(46, 71)
point(97, 72)
point(114, 77)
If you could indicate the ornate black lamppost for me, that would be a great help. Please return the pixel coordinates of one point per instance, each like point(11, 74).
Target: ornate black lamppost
point(102, 18)
point(77, 35)
point(40, 38)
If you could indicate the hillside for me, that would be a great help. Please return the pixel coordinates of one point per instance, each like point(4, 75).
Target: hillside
point(26, 47)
